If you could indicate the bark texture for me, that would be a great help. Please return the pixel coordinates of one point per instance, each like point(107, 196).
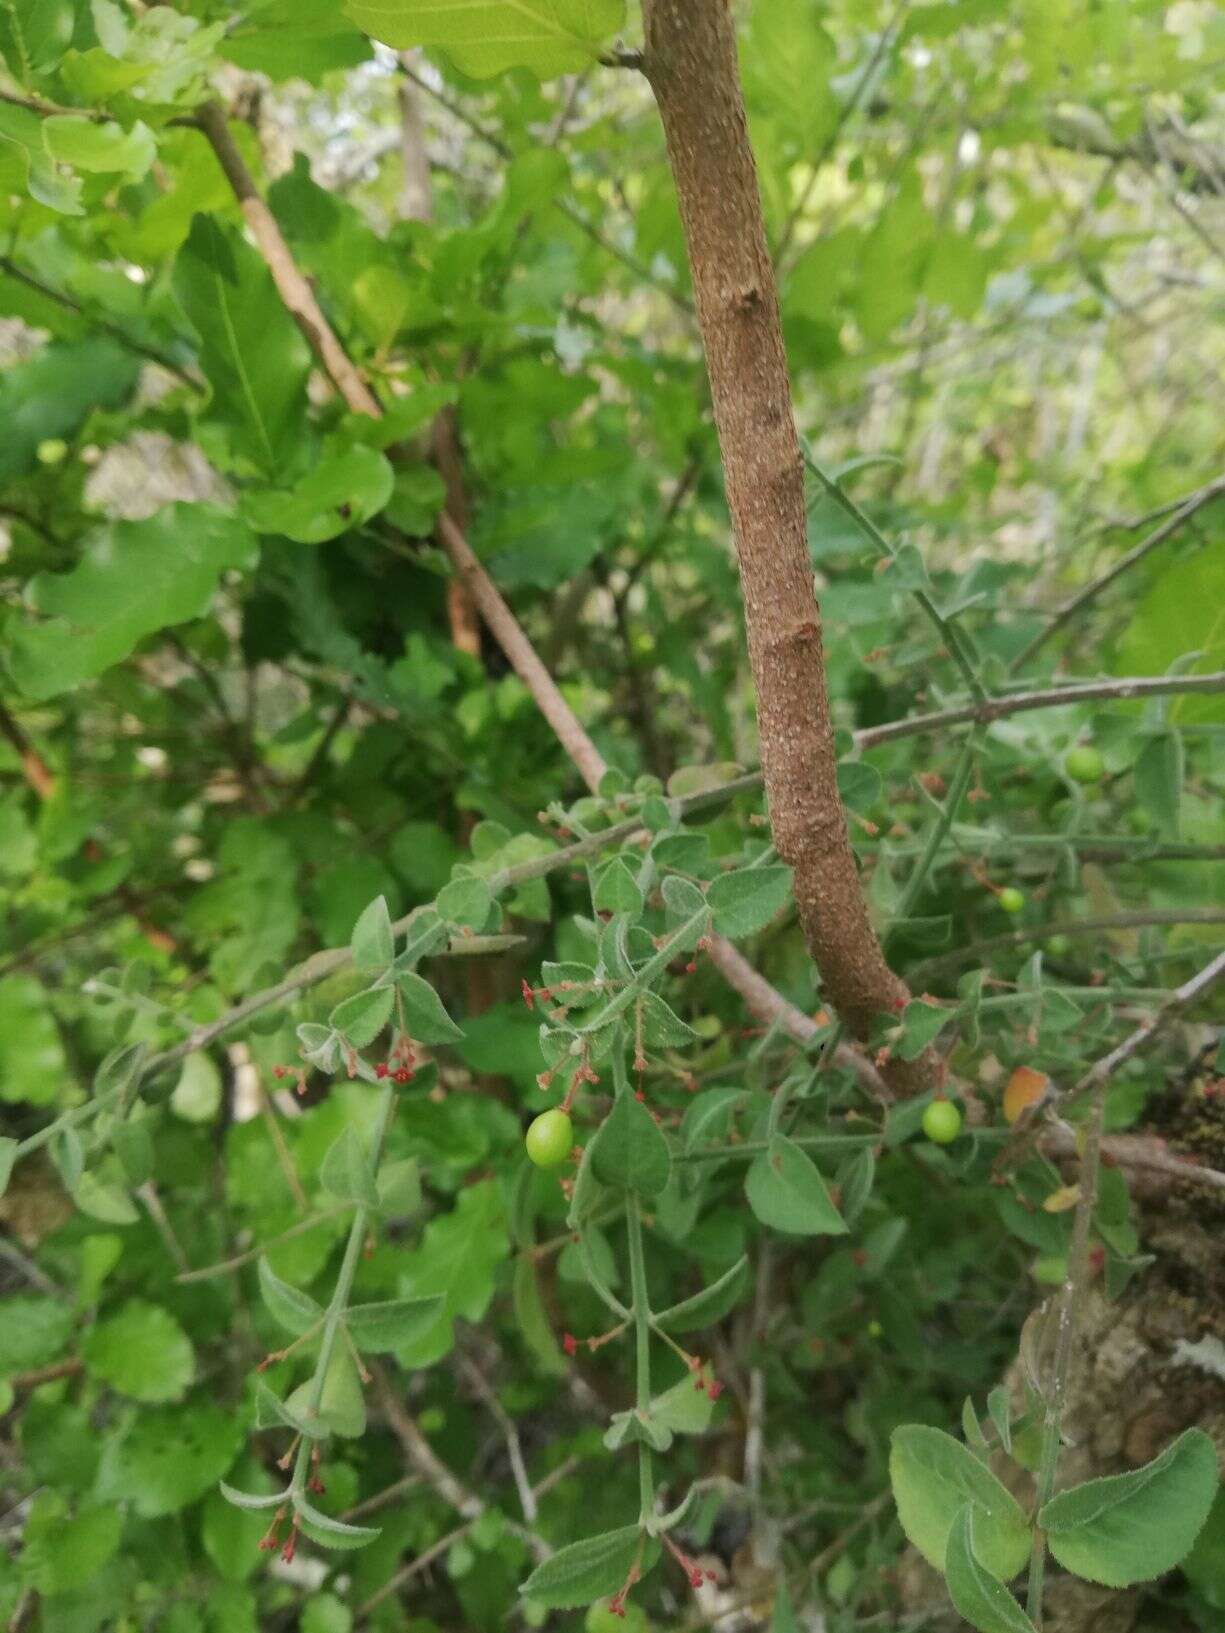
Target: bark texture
point(690, 61)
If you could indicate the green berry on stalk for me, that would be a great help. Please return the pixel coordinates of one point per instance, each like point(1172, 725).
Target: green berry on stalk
point(1083, 763)
point(1011, 899)
point(549, 1139)
point(1059, 945)
point(942, 1122)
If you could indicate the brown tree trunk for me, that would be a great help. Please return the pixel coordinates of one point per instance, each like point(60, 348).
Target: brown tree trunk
point(690, 61)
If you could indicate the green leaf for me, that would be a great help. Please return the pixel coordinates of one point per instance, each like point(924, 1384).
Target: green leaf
point(296, 1311)
point(33, 1332)
point(532, 1319)
point(250, 349)
point(196, 1097)
point(399, 1187)
point(1158, 776)
point(344, 489)
point(169, 1457)
point(424, 1015)
point(132, 1143)
point(104, 1200)
point(859, 785)
point(89, 145)
point(984, 1602)
point(1133, 1527)
point(685, 1409)
point(51, 394)
point(342, 1405)
point(372, 942)
point(628, 1150)
point(135, 578)
point(330, 1533)
point(616, 890)
point(483, 37)
point(662, 1028)
point(708, 1306)
point(31, 1055)
point(465, 903)
point(1179, 615)
point(142, 1352)
point(921, 1025)
point(34, 34)
point(745, 901)
point(250, 1500)
point(272, 1412)
point(61, 1552)
point(392, 1322)
point(361, 1018)
point(587, 1570)
point(786, 1191)
point(933, 1478)
point(345, 1173)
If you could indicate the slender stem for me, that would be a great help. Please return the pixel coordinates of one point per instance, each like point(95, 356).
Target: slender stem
point(940, 828)
point(1138, 920)
point(1090, 593)
point(642, 1348)
point(339, 1302)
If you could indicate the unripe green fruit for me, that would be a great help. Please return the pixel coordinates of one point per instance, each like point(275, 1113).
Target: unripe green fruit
point(1083, 763)
point(942, 1122)
point(549, 1139)
point(1011, 899)
point(51, 450)
point(1057, 946)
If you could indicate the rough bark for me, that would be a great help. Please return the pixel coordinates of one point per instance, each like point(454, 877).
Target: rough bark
point(690, 61)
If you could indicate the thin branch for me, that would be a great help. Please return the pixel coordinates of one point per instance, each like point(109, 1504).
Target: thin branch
point(227, 1266)
point(427, 1557)
point(514, 1451)
point(845, 114)
point(129, 342)
point(1049, 697)
point(1083, 598)
point(1142, 918)
point(570, 210)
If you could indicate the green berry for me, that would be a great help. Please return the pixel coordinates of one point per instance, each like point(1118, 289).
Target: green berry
point(549, 1139)
point(1059, 945)
point(942, 1122)
point(1083, 763)
point(1011, 899)
point(51, 450)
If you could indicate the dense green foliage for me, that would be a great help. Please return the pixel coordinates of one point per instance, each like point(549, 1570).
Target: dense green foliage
point(240, 722)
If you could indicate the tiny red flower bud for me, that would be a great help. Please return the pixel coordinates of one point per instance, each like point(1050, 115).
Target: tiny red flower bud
point(279, 1072)
point(403, 1074)
point(639, 1096)
point(527, 994)
point(382, 1069)
point(569, 1343)
point(714, 1389)
point(690, 967)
